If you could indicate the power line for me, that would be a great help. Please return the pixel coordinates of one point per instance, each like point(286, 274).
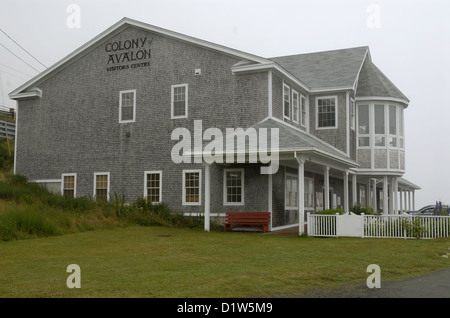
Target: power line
point(22, 48)
point(19, 58)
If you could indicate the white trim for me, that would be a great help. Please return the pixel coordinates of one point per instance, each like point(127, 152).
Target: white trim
point(134, 106)
point(336, 106)
point(95, 184)
point(290, 103)
point(45, 180)
point(186, 94)
point(295, 120)
point(382, 99)
point(225, 202)
point(24, 95)
point(15, 138)
point(74, 183)
point(199, 171)
point(160, 184)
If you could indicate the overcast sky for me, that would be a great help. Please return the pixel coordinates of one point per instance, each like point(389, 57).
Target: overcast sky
point(409, 41)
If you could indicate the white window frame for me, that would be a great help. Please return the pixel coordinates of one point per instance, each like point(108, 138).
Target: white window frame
point(186, 94)
point(225, 201)
point(295, 119)
point(199, 171)
point(303, 110)
point(74, 183)
point(336, 107)
point(95, 184)
point(160, 184)
point(134, 106)
point(285, 86)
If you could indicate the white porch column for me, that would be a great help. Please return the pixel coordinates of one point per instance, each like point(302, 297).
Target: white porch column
point(354, 188)
point(400, 200)
point(326, 181)
point(413, 200)
point(405, 200)
point(207, 197)
point(391, 195)
point(395, 194)
point(409, 201)
point(374, 199)
point(346, 207)
point(385, 195)
point(301, 196)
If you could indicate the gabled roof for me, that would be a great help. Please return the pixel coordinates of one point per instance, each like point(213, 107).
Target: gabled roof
point(373, 83)
point(329, 69)
point(29, 86)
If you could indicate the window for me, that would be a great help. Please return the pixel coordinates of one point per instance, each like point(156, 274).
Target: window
point(192, 185)
point(380, 132)
point(101, 186)
point(392, 126)
point(362, 195)
point(127, 109)
point(303, 110)
point(286, 101)
point(295, 106)
point(291, 201)
point(309, 194)
point(363, 126)
point(401, 128)
point(68, 185)
point(233, 187)
point(326, 112)
point(180, 101)
point(153, 182)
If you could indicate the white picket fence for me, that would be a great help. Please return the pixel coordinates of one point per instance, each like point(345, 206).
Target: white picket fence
point(382, 226)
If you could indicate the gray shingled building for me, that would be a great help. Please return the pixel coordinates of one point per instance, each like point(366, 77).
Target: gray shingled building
point(106, 119)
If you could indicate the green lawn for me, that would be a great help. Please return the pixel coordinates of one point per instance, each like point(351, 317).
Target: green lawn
point(138, 261)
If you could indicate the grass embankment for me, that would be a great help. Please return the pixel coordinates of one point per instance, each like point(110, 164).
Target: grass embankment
point(28, 210)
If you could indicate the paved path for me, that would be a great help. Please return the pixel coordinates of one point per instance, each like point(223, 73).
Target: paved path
point(433, 285)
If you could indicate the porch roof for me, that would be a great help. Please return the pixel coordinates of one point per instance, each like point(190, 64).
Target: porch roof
point(291, 141)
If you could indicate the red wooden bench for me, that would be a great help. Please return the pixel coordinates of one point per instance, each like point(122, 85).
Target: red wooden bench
point(256, 220)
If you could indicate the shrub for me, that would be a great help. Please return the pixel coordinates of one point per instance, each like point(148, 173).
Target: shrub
point(331, 212)
point(358, 209)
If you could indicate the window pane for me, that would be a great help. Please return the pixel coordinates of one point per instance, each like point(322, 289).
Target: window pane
point(234, 186)
point(303, 106)
point(393, 120)
point(379, 141)
point(287, 102)
point(326, 112)
point(127, 106)
point(179, 100)
point(364, 142)
point(379, 119)
point(192, 186)
point(153, 187)
point(363, 119)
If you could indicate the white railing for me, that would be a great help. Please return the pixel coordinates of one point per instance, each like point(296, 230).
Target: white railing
point(381, 226)
point(7, 129)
